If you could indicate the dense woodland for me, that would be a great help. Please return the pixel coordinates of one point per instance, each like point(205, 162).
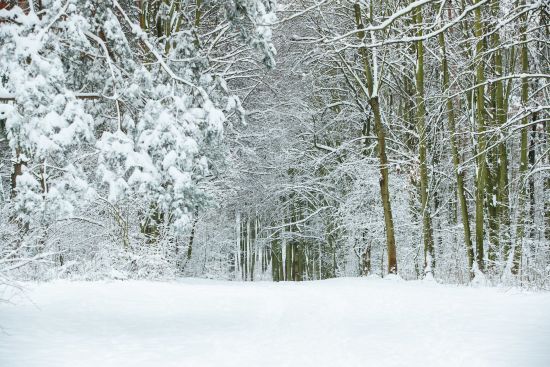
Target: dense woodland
point(264, 140)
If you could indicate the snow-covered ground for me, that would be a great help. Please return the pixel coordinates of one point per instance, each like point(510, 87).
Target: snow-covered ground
point(342, 322)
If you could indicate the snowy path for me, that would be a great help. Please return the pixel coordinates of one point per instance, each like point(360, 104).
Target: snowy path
point(336, 323)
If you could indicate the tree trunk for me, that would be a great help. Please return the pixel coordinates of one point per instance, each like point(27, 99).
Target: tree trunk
point(520, 232)
point(384, 187)
point(381, 138)
point(456, 161)
point(427, 234)
point(481, 177)
point(192, 235)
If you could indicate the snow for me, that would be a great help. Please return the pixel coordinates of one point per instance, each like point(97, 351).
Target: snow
point(343, 322)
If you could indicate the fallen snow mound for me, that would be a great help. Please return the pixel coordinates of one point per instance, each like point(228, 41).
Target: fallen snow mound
point(333, 323)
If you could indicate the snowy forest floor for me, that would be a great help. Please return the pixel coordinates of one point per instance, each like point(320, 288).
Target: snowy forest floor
point(341, 322)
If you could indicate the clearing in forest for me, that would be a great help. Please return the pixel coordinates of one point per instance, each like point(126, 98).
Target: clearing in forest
point(342, 322)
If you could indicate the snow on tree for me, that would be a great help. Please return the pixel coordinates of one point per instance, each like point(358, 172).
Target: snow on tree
point(105, 107)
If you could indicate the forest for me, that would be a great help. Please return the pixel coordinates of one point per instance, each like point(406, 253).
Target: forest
point(274, 183)
point(251, 140)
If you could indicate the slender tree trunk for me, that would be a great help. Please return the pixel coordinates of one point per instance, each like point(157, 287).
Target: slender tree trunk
point(275, 261)
point(456, 160)
point(427, 233)
point(238, 260)
point(381, 138)
point(16, 171)
point(192, 235)
point(524, 162)
point(384, 187)
point(481, 177)
point(500, 118)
